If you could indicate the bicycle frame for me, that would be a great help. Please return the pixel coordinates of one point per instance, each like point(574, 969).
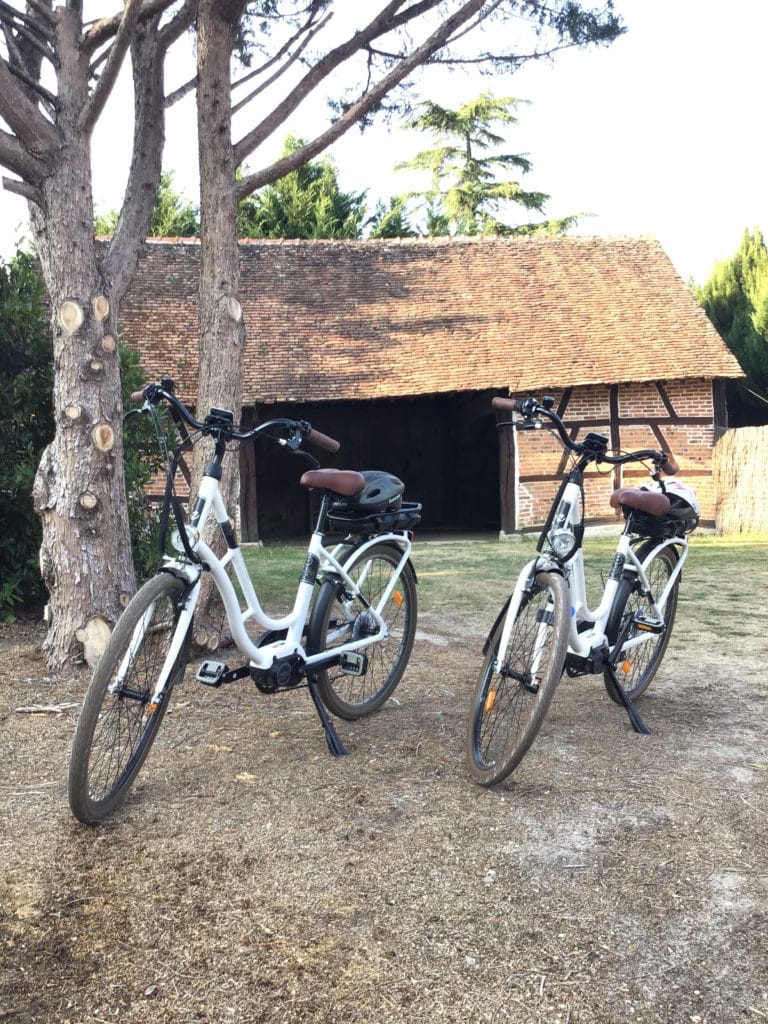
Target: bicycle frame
point(583, 641)
point(319, 560)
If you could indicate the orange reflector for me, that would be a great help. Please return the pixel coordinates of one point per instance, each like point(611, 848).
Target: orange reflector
point(626, 667)
point(153, 708)
point(490, 700)
point(397, 597)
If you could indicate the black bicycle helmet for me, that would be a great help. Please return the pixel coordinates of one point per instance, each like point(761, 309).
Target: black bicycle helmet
point(382, 492)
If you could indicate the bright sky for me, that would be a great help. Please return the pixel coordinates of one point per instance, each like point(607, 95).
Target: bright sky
point(662, 134)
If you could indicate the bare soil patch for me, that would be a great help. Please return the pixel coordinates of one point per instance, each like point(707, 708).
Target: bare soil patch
point(253, 878)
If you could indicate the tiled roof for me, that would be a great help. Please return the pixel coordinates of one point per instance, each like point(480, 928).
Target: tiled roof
point(329, 320)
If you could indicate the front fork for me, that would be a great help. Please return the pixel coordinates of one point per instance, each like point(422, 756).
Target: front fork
point(523, 586)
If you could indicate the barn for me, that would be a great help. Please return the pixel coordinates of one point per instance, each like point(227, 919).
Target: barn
point(396, 348)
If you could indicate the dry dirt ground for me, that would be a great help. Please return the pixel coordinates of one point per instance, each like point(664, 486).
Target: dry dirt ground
point(253, 878)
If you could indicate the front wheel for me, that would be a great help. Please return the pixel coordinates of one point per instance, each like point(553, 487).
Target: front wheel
point(339, 617)
point(512, 697)
point(634, 666)
point(119, 720)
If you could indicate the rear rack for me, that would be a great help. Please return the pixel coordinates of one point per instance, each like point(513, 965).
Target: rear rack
point(345, 521)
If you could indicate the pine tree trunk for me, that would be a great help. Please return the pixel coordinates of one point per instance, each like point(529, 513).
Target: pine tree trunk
point(222, 331)
point(79, 489)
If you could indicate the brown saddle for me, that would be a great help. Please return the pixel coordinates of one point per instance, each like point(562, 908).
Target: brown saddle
point(344, 482)
point(654, 503)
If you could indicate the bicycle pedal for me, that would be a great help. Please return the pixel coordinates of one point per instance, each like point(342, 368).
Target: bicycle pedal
point(353, 664)
point(648, 625)
point(211, 673)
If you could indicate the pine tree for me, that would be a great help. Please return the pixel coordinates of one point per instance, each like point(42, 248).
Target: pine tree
point(306, 203)
point(735, 299)
point(467, 196)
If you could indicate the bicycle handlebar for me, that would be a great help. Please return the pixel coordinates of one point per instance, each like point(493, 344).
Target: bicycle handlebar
point(530, 407)
point(328, 444)
point(153, 394)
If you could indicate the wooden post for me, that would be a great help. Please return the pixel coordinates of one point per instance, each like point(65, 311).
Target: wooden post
point(507, 476)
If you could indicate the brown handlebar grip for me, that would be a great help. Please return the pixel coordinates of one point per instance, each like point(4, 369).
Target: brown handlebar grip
point(137, 396)
point(329, 444)
point(503, 404)
point(670, 467)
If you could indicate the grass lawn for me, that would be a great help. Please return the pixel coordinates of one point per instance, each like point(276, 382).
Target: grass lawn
point(469, 579)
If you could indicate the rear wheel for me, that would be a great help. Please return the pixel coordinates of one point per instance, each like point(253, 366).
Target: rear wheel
point(635, 666)
point(512, 698)
point(339, 617)
point(119, 720)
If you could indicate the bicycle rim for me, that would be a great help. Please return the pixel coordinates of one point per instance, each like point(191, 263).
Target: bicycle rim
point(635, 669)
point(511, 700)
point(339, 618)
point(119, 719)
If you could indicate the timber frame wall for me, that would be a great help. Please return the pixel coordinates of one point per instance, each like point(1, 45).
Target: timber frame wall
point(684, 417)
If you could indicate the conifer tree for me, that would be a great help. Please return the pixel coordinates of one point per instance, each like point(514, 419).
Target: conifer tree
point(471, 192)
point(735, 299)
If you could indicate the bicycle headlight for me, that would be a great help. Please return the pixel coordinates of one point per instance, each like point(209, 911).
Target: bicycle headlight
point(562, 543)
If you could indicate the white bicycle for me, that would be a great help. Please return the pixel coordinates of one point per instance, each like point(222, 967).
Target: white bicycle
point(546, 626)
point(347, 639)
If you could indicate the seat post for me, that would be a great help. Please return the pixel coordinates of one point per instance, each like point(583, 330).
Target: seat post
point(322, 514)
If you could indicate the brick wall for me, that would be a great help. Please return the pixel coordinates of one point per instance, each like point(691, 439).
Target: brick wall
point(677, 416)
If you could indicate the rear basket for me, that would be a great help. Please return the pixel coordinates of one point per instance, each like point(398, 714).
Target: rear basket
point(347, 521)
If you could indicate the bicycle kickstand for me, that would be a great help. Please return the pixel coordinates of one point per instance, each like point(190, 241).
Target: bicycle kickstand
point(635, 720)
point(332, 738)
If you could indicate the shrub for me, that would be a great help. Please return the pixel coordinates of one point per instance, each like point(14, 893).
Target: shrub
point(26, 427)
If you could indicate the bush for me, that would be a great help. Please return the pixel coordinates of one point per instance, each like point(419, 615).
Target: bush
point(26, 427)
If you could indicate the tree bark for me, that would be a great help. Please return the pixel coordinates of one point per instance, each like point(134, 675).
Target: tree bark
point(79, 489)
point(222, 330)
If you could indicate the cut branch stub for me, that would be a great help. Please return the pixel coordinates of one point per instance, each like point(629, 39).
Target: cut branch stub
point(94, 637)
point(88, 502)
point(70, 316)
point(101, 307)
point(108, 343)
point(103, 437)
point(235, 309)
point(73, 412)
point(93, 368)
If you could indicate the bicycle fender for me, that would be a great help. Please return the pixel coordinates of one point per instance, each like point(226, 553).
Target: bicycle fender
point(368, 540)
point(189, 575)
point(499, 617)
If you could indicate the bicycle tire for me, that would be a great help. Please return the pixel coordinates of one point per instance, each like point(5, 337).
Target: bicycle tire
point(336, 618)
point(115, 731)
point(634, 674)
point(506, 712)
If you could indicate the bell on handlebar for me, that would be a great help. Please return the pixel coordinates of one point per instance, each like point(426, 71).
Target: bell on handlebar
point(547, 402)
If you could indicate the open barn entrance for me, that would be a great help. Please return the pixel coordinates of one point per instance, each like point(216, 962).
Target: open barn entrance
point(444, 447)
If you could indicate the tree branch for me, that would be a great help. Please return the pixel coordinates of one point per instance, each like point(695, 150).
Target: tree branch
point(95, 103)
point(21, 188)
point(179, 23)
point(47, 97)
point(181, 92)
point(45, 13)
point(311, 33)
point(15, 158)
point(147, 53)
point(25, 26)
point(105, 28)
point(381, 23)
point(358, 110)
point(34, 132)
